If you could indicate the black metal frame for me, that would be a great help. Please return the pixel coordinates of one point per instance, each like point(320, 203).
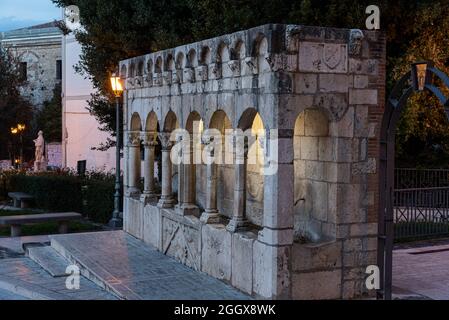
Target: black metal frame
point(393, 110)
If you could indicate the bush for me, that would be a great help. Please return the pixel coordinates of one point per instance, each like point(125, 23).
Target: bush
point(63, 191)
point(98, 195)
point(58, 193)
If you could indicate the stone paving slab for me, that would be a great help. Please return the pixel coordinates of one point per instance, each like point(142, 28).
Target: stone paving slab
point(6, 295)
point(134, 270)
point(49, 260)
point(24, 277)
point(423, 271)
point(16, 244)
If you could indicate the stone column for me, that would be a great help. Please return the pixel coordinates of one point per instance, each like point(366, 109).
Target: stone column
point(239, 221)
point(166, 200)
point(150, 144)
point(187, 204)
point(211, 214)
point(134, 164)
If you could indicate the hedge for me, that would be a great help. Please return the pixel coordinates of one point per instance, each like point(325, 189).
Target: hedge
point(92, 195)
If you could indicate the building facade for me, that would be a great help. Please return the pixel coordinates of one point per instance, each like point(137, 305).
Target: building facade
point(307, 230)
point(38, 49)
point(81, 133)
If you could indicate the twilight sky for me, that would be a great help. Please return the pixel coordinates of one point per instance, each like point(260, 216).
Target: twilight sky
point(16, 14)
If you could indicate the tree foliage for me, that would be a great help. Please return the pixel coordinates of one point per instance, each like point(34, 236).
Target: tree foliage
point(119, 29)
point(13, 108)
point(49, 119)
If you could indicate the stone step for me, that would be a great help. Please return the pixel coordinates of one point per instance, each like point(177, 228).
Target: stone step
point(50, 260)
point(98, 277)
point(28, 290)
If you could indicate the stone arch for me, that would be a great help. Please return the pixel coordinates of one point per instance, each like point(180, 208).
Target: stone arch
point(123, 70)
point(253, 126)
point(158, 65)
point(193, 117)
point(223, 53)
point(170, 63)
point(240, 49)
point(247, 119)
point(136, 123)
point(152, 122)
point(224, 168)
point(140, 68)
point(192, 60)
point(29, 56)
point(262, 55)
point(220, 121)
point(180, 61)
point(205, 58)
point(134, 150)
point(132, 70)
point(170, 122)
point(315, 172)
point(150, 66)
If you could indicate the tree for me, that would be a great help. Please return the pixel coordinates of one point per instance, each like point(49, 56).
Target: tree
point(49, 119)
point(119, 29)
point(13, 108)
point(424, 128)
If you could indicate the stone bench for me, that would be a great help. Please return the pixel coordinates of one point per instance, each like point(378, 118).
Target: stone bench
point(16, 222)
point(21, 199)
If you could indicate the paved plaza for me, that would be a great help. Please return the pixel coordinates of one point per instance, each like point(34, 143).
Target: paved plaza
point(422, 271)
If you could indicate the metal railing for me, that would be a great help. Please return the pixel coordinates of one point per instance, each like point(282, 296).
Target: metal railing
point(421, 203)
point(405, 178)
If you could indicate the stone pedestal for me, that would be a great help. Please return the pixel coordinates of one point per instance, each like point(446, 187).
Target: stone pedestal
point(40, 166)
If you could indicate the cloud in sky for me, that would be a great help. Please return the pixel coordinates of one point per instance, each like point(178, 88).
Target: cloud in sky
point(16, 14)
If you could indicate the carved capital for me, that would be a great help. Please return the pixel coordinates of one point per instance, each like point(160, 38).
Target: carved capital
point(149, 139)
point(275, 62)
point(149, 80)
point(209, 145)
point(189, 75)
point(130, 83)
point(234, 65)
point(201, 73)
point(157, 79)
point(167, 77)
point(215, 70)
point(166, 143)
point(134, 138)
point(177, 76)
point(251, 64)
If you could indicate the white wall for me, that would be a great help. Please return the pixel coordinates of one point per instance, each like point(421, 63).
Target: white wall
point(80, 129)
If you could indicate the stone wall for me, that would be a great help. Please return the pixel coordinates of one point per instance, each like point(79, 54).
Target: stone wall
point(54, 154)
point(314, 221)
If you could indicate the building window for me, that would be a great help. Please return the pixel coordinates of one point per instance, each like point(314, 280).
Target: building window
point(59, 69)
point(23, 71)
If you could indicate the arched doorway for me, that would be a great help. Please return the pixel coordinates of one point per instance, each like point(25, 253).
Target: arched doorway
point(422, 76)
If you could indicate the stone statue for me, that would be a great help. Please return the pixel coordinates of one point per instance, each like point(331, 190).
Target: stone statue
point(39, 143)
point(39, 161)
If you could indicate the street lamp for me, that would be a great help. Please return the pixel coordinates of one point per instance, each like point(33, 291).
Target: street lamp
point(19, 130)
point(116, 222)
point(419, 74)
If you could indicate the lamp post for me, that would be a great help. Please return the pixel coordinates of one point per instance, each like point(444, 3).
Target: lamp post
point(19, 130)
point(116, 222)
point(420, 75)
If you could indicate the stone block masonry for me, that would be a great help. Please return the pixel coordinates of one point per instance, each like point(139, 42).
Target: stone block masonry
point(305, 232)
